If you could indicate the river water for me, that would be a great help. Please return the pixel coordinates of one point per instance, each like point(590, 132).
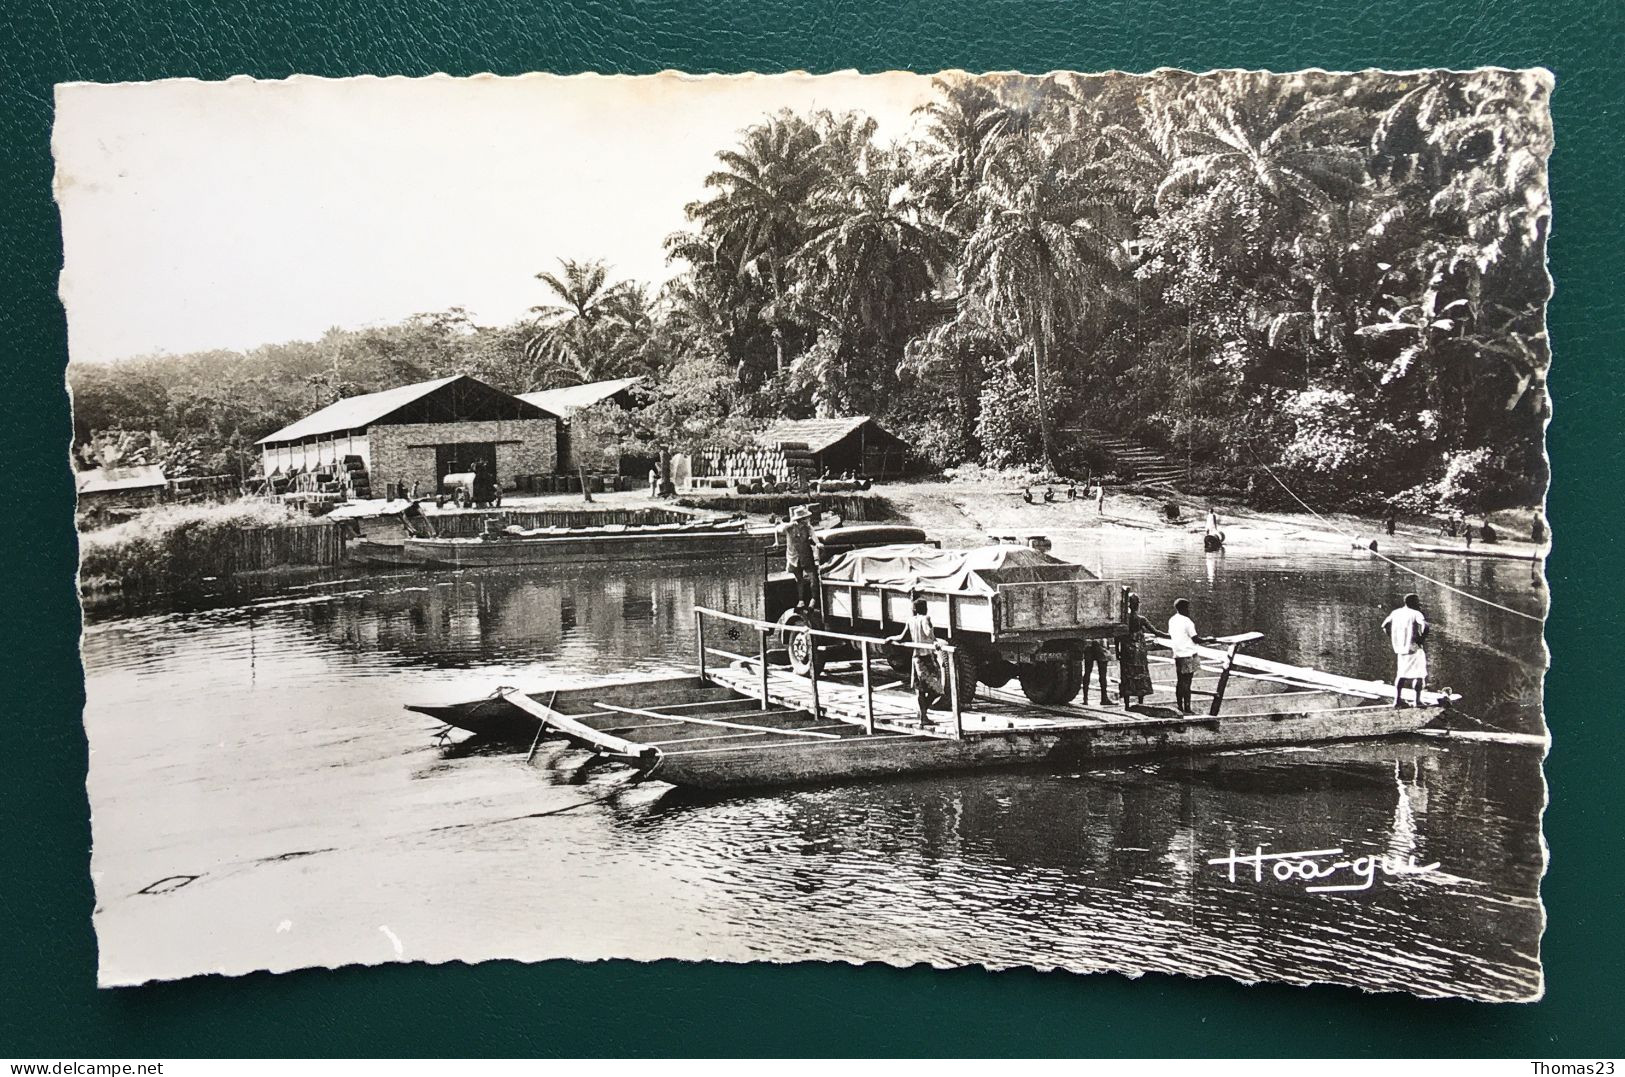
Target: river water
point(262, 801)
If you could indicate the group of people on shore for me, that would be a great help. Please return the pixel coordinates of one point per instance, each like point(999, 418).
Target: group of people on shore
point(1049, 496)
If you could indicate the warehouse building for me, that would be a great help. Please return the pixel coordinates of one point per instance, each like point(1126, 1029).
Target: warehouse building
point(587, 435)
point(413, 436)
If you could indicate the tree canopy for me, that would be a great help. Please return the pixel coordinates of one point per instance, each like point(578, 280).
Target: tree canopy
point(1340, 276)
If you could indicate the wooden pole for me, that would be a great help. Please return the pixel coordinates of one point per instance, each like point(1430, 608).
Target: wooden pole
point(699, 640)
point(868, 692)
point(812, 670)
point(1224, 680)
point(762, 657)
point(541, 727)
point(953, 692)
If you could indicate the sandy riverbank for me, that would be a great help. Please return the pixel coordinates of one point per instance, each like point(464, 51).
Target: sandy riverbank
point(971, 511)
point(966, 511)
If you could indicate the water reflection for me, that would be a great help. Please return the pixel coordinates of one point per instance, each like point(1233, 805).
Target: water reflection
point(282, 732)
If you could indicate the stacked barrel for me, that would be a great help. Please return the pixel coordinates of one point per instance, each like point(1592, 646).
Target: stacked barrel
point(785, 465)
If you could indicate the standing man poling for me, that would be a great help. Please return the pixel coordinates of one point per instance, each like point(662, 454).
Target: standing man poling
point(1407, 629)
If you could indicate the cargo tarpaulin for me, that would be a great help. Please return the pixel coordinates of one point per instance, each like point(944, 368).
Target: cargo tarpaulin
point(927, 568)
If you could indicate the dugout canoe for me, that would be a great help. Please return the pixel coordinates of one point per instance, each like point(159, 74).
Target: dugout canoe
point(703, 539)
point(1487, 550)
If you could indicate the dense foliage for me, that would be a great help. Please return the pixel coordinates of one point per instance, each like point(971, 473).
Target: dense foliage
point(1338, 276)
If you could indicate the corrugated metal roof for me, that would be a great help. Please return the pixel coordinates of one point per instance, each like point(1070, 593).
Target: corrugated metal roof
point(355, 412)
point(571, 398)
point(819, 434)
point(102, 479)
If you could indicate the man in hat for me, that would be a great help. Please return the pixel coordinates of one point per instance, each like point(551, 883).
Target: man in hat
point(1407, 628)
point(800, 558)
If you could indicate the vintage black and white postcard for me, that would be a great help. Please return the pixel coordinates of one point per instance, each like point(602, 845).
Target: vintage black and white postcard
point(1080, 521)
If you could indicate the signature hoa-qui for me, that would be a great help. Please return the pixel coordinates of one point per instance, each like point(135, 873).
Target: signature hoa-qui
point(1312, 865)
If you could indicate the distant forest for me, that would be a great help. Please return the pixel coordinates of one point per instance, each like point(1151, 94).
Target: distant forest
point(1339, 276)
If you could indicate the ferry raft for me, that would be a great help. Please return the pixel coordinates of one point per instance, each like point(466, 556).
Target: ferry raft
point(743, 720)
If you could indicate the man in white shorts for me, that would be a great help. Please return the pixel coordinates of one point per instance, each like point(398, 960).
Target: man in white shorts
point(1407, 628)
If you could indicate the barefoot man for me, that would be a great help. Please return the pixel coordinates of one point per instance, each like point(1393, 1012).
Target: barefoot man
point(1183, 640)
point(919, 629)
point(1407, 628)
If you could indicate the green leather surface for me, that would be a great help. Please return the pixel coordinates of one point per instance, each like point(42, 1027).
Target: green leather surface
point(49, 1007)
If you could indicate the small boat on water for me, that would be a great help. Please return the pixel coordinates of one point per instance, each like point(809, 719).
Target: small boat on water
point(1481, 551)
point(749, 723)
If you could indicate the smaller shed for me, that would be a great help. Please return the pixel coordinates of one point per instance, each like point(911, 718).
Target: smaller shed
point(797, 451)
point(857, 444)
point(586, 438)
point(121, 487)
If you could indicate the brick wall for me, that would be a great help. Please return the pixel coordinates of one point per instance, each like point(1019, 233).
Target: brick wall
point(406, 454)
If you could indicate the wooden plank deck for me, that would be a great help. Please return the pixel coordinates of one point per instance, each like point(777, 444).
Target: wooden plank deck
point(1001, 711)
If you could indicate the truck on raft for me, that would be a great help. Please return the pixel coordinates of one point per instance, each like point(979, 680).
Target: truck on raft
point(1011, 611)
point(743, 720)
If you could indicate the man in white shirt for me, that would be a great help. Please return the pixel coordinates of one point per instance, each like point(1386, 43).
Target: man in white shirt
point(1407, 628)
point(1183, 640)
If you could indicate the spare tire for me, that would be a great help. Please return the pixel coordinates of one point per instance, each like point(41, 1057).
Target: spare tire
point(802, 648)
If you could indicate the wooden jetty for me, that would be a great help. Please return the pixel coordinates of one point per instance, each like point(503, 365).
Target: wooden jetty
point(742, 721)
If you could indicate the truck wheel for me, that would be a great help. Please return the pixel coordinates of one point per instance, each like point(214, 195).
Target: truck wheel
point(996, 672)
point(1052, 682)
point(802, 648)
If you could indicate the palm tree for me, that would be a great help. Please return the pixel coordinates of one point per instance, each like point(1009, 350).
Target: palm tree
point(870, 263)
point(960, 132)
point(592, 331)
point(759, 208)
point(1040, 258)
point(1254, 142)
